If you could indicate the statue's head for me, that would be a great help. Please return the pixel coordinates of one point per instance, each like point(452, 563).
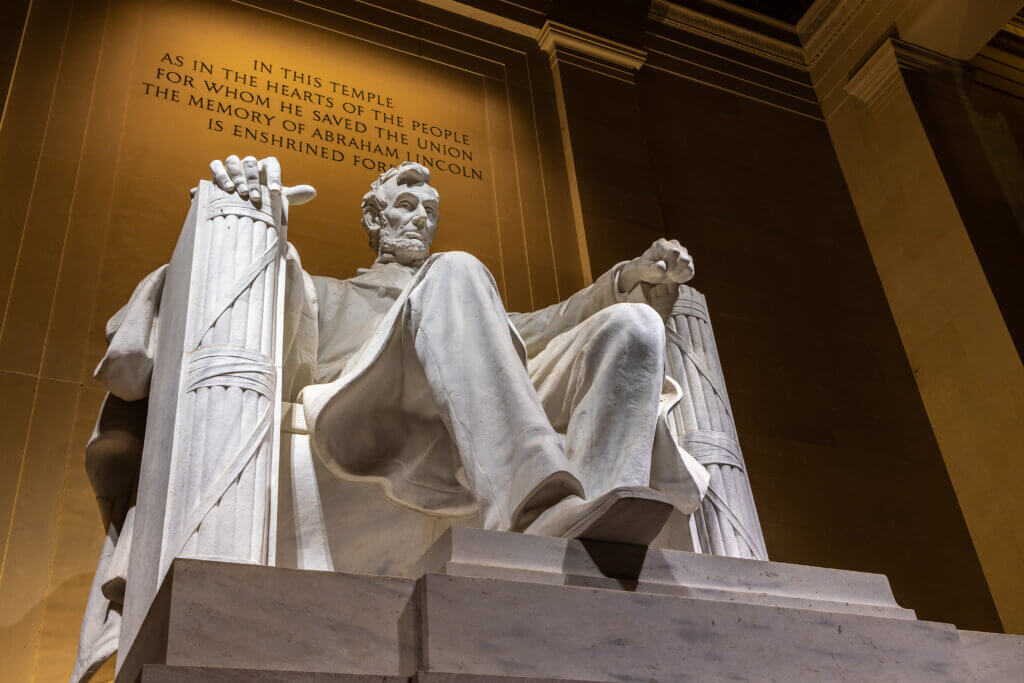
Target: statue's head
point(400, 214)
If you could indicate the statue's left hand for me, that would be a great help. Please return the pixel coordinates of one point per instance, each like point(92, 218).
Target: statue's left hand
point(246, 175)
point(664, 262)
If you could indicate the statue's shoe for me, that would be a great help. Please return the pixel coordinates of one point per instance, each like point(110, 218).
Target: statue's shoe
point(631, 514)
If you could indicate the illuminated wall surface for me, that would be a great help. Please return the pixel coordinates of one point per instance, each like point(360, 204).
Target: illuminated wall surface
point(134, 118)
point(211, 79)
point(116, 108)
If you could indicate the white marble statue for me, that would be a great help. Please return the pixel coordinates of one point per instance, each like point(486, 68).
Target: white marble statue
point(545, 421)
point(411, 375)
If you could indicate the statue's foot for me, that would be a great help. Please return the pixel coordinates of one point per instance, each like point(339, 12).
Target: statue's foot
point(631, 514)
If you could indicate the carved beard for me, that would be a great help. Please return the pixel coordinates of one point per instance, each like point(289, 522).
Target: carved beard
point(407, 251)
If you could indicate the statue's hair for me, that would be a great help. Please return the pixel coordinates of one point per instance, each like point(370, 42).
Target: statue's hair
point(375, 201)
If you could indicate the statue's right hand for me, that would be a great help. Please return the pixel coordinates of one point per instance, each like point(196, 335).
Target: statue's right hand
point(245, 176)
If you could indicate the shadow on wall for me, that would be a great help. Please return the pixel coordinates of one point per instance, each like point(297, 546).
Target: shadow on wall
point(54, 666)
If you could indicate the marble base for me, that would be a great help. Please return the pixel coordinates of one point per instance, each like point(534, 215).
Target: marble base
point(488, 606)
point(237, 616)
point(516, 557)
point(993, 656)
point(155, 673)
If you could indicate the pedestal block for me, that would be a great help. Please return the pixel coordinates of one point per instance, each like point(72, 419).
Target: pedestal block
point(533, 559)
point(487, 606)
point(237, 616)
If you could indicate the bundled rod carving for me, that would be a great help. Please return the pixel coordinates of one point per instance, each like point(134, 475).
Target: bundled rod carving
point(726, 522)
point(223, 463)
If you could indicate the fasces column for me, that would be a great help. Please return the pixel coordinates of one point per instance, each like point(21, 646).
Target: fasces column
point(207, 483)
point(965, 362)
point(726, 522)
point(219, 500)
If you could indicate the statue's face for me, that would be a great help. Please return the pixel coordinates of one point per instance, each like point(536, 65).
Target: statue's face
point(410, 221)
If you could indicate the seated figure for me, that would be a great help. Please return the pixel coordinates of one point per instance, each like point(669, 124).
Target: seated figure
point(412, 376)
point(546, 422)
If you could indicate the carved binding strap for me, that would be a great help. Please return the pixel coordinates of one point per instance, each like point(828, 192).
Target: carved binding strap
point(726, 523)
point(230, 376)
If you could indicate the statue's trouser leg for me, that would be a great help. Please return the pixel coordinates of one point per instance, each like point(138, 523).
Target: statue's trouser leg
point(101, 623)
point(512, 456)
point(600, 384)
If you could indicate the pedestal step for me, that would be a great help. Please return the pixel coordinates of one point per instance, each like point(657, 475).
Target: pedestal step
point(505, 607)
point(533, 559)
point(155, 673)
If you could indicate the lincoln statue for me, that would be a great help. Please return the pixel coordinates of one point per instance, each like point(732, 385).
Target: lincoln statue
point(410, 376)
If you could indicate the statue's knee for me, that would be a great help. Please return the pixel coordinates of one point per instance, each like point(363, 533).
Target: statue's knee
point(636, 326)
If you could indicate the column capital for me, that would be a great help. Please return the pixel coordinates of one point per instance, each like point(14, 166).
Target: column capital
point(877, 78)
point(1011, 37)
point(566, 43)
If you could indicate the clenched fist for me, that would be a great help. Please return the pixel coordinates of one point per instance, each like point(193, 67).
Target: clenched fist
point(666, 262)
point(246, 175)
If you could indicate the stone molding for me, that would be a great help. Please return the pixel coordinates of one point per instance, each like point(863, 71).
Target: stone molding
point(876, 80)
point(1016, 25)
point(1000, 64)
point(1011, 37)
point(565, 43)
point(913, 57)
point(823, 24)
point(506, 23)
point(722, 31)
point(814, 17)
point(819, 28)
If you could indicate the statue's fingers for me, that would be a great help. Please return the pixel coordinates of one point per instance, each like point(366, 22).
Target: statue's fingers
point(221, 177)
point(234, 166)
point(299, 194)
point(252, 177)
point(683, 272)
point(271, 173)
point(669, 256)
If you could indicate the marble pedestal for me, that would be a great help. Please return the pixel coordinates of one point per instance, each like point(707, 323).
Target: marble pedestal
point(488, 606)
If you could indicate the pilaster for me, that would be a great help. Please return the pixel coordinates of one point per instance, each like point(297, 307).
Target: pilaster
point(965, 362)
point(607, 157)
point(566, 44)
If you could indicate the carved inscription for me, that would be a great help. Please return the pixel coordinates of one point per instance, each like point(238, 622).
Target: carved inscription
point(323, 116)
